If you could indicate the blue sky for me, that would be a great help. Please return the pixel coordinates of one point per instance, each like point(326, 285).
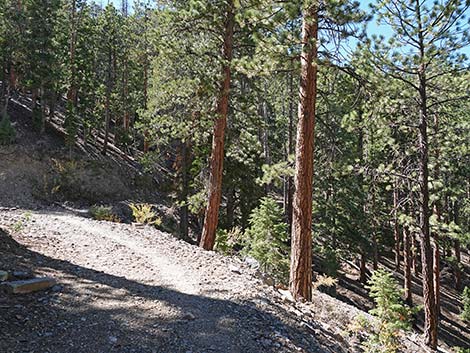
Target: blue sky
point(372, 27)
point(386, 31)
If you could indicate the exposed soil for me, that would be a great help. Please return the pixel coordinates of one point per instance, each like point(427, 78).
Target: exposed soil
point(129, 289)
point(124, 288)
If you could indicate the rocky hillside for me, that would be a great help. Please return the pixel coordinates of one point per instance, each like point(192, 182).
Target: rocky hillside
point(123, 288)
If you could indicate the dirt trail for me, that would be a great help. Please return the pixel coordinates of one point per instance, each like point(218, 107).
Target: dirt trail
point(125, 289)
point(130, 249)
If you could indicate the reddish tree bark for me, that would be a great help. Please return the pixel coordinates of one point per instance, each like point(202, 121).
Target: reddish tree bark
point(72, 90)
point(375, 252)
point(300, 282)
point(458, 272)
point(437, 212)
point(396, 228)
point(430, 315)
point(407, 266)
point(290, 150)
point(362, 268)
point(107, 112)
point(414, 255)
point(211, 218)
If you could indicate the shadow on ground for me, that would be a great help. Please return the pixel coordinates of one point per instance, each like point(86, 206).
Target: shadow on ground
point(452, 331)
point(70, 319)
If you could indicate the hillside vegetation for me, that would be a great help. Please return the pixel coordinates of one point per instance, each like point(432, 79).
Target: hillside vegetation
point(299, 168)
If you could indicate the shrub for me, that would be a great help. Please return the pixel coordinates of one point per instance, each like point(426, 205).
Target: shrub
point(360, 326)
point(143, 213)
point(61, 182)
point(392, 313)
point(103, 213)
point(7, 131)
point(227, 242)
point(325, 284)
point(266, 239)
point(461, 350)
point(19, 225)
point(465, 314)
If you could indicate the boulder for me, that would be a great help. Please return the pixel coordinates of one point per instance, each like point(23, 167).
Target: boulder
point(3, 275)
point(123, 212)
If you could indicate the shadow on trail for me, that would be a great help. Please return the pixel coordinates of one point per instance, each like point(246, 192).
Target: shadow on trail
point(71, 320)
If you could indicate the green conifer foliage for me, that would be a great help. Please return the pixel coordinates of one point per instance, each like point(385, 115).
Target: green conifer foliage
point(465, 315)
point(393, 314)
point(265, 239)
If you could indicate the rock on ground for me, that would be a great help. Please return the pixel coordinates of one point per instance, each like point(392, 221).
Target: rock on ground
point(125, 289)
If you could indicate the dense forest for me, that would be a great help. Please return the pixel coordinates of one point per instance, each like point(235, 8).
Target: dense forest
point(285, 131)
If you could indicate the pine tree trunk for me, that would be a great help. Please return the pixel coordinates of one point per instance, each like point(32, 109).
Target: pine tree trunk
point(430, 315)
point(13, 78)
point(290, 150)
point(430, 324)
point(407, 266)
point(125, 85)
point(362, 267)
point(52, 105)
point(107, 107)
point(230, 208)
point(211, 218)
point(146, 141)
point(72, 91)
point(458, 272)
point(300, 281)
point(415, 258)
point(396, 228)
point(266, 149)
point(436, 269)
point(184, 214)
point(146, 70)
point(42, 122)
point(437, 212)
point(375, 252)
point(458, 258)
point(6, 91)
point(34, 99)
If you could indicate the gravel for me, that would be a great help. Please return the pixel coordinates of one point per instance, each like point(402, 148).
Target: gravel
point(127, 289)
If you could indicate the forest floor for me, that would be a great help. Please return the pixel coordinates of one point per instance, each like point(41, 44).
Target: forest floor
point(128, 289)
point(123, 288)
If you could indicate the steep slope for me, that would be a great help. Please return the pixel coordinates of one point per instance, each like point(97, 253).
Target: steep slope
point(128, 289)
point(138, 289)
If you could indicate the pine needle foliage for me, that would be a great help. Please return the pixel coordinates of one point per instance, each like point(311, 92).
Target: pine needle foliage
point(465, 315)
point(392, 313)
point(266, 239)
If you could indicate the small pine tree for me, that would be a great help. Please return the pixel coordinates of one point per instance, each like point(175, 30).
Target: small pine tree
point(393, 314)
point(71, 124)
point(266, 239)
point(7, 131)
point(465, 315)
